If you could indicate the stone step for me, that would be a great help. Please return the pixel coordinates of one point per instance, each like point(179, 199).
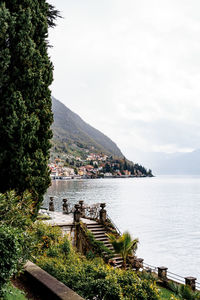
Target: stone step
point(97, 229)
point(103, 241)
point(111, 249)
point(117, 256)
point(95, 225)
point(117, 259)
point(101, 238)
point(107, 242)
point(108, 245)
point(100, 235)
point(99, 232)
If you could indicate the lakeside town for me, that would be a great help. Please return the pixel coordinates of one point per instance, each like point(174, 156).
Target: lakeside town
point(95, 166)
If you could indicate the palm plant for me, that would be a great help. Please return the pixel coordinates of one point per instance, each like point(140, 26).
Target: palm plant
point(123, 245)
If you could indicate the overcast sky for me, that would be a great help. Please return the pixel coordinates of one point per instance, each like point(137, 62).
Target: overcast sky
point(132, 70)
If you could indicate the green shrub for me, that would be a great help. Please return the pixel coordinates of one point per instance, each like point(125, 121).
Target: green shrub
point(44, 237)
point(52, 251)
point(91, 279)
point(133, 286)
point(90, 255)
point(11, 253)
point(16, 211)
point(96, 280)
point(88, 279)
point(65, 246)
point(183, 291)
point(12, 293)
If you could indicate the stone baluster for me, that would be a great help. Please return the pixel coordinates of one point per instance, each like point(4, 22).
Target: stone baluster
point(51, 204)
point(65, 206)
point(102, 213)
point(77, 213)
point(191, 281)
point(162, 273)
point(82, 208)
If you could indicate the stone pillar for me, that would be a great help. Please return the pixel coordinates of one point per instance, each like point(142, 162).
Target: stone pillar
point(65, 206)
point(82, 209)
point(77, 213)
point(51, 204)
point(162, 273)
point(102, 213)
point(191, 281)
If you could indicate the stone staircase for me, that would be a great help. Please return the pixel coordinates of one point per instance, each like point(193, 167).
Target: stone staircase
point(99, 233)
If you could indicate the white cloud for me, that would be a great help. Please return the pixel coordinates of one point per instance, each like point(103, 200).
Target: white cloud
point(131, 69)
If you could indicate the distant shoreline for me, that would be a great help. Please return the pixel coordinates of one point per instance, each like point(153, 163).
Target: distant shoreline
point(63, 178)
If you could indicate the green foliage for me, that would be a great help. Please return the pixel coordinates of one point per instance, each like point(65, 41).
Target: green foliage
point(65, 246)
point(11, 252)
point(174, 287)
point(15, 210)
point(123, 245)
point(12, 293)
point(43, 217)
point(95, 280)
point(92, 279)
point(15, 217)
point(183, 291)
point(146, 275)
point(45, 239)
point(90, 255)
point(166, 294)
point(97, 247)
point(52, 251)
point(173, 298)
point(25, 97)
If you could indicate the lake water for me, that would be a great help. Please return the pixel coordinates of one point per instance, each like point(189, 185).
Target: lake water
point(163, 212)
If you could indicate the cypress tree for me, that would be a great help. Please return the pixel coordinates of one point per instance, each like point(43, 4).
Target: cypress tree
point(25, 97)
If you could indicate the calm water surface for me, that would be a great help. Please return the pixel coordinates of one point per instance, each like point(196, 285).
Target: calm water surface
point(163, 212)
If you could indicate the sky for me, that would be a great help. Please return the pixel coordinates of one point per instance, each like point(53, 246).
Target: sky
point(132, 70)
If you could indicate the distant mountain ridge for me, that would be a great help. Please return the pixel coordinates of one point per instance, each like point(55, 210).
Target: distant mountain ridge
point(173, 163)
point(71, 132)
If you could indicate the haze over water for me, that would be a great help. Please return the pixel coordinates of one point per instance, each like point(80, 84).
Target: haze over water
point(163, 212)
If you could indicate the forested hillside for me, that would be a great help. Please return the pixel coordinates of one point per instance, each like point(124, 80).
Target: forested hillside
point(72, 134)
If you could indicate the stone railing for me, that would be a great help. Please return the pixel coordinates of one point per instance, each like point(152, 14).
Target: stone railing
point(164, 275)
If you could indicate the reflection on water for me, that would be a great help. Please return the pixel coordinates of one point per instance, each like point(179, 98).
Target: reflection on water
point(162, 211)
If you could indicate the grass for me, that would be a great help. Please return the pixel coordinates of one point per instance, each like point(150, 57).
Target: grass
point(165, 293)
point(13, 293)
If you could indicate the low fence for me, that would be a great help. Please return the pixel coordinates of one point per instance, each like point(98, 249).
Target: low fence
point(164, 274)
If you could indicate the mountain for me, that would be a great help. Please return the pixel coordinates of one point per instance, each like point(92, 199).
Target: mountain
point(72, 134)
point(173, 163)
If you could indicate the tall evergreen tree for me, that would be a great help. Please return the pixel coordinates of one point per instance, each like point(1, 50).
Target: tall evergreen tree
point(25, 98)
